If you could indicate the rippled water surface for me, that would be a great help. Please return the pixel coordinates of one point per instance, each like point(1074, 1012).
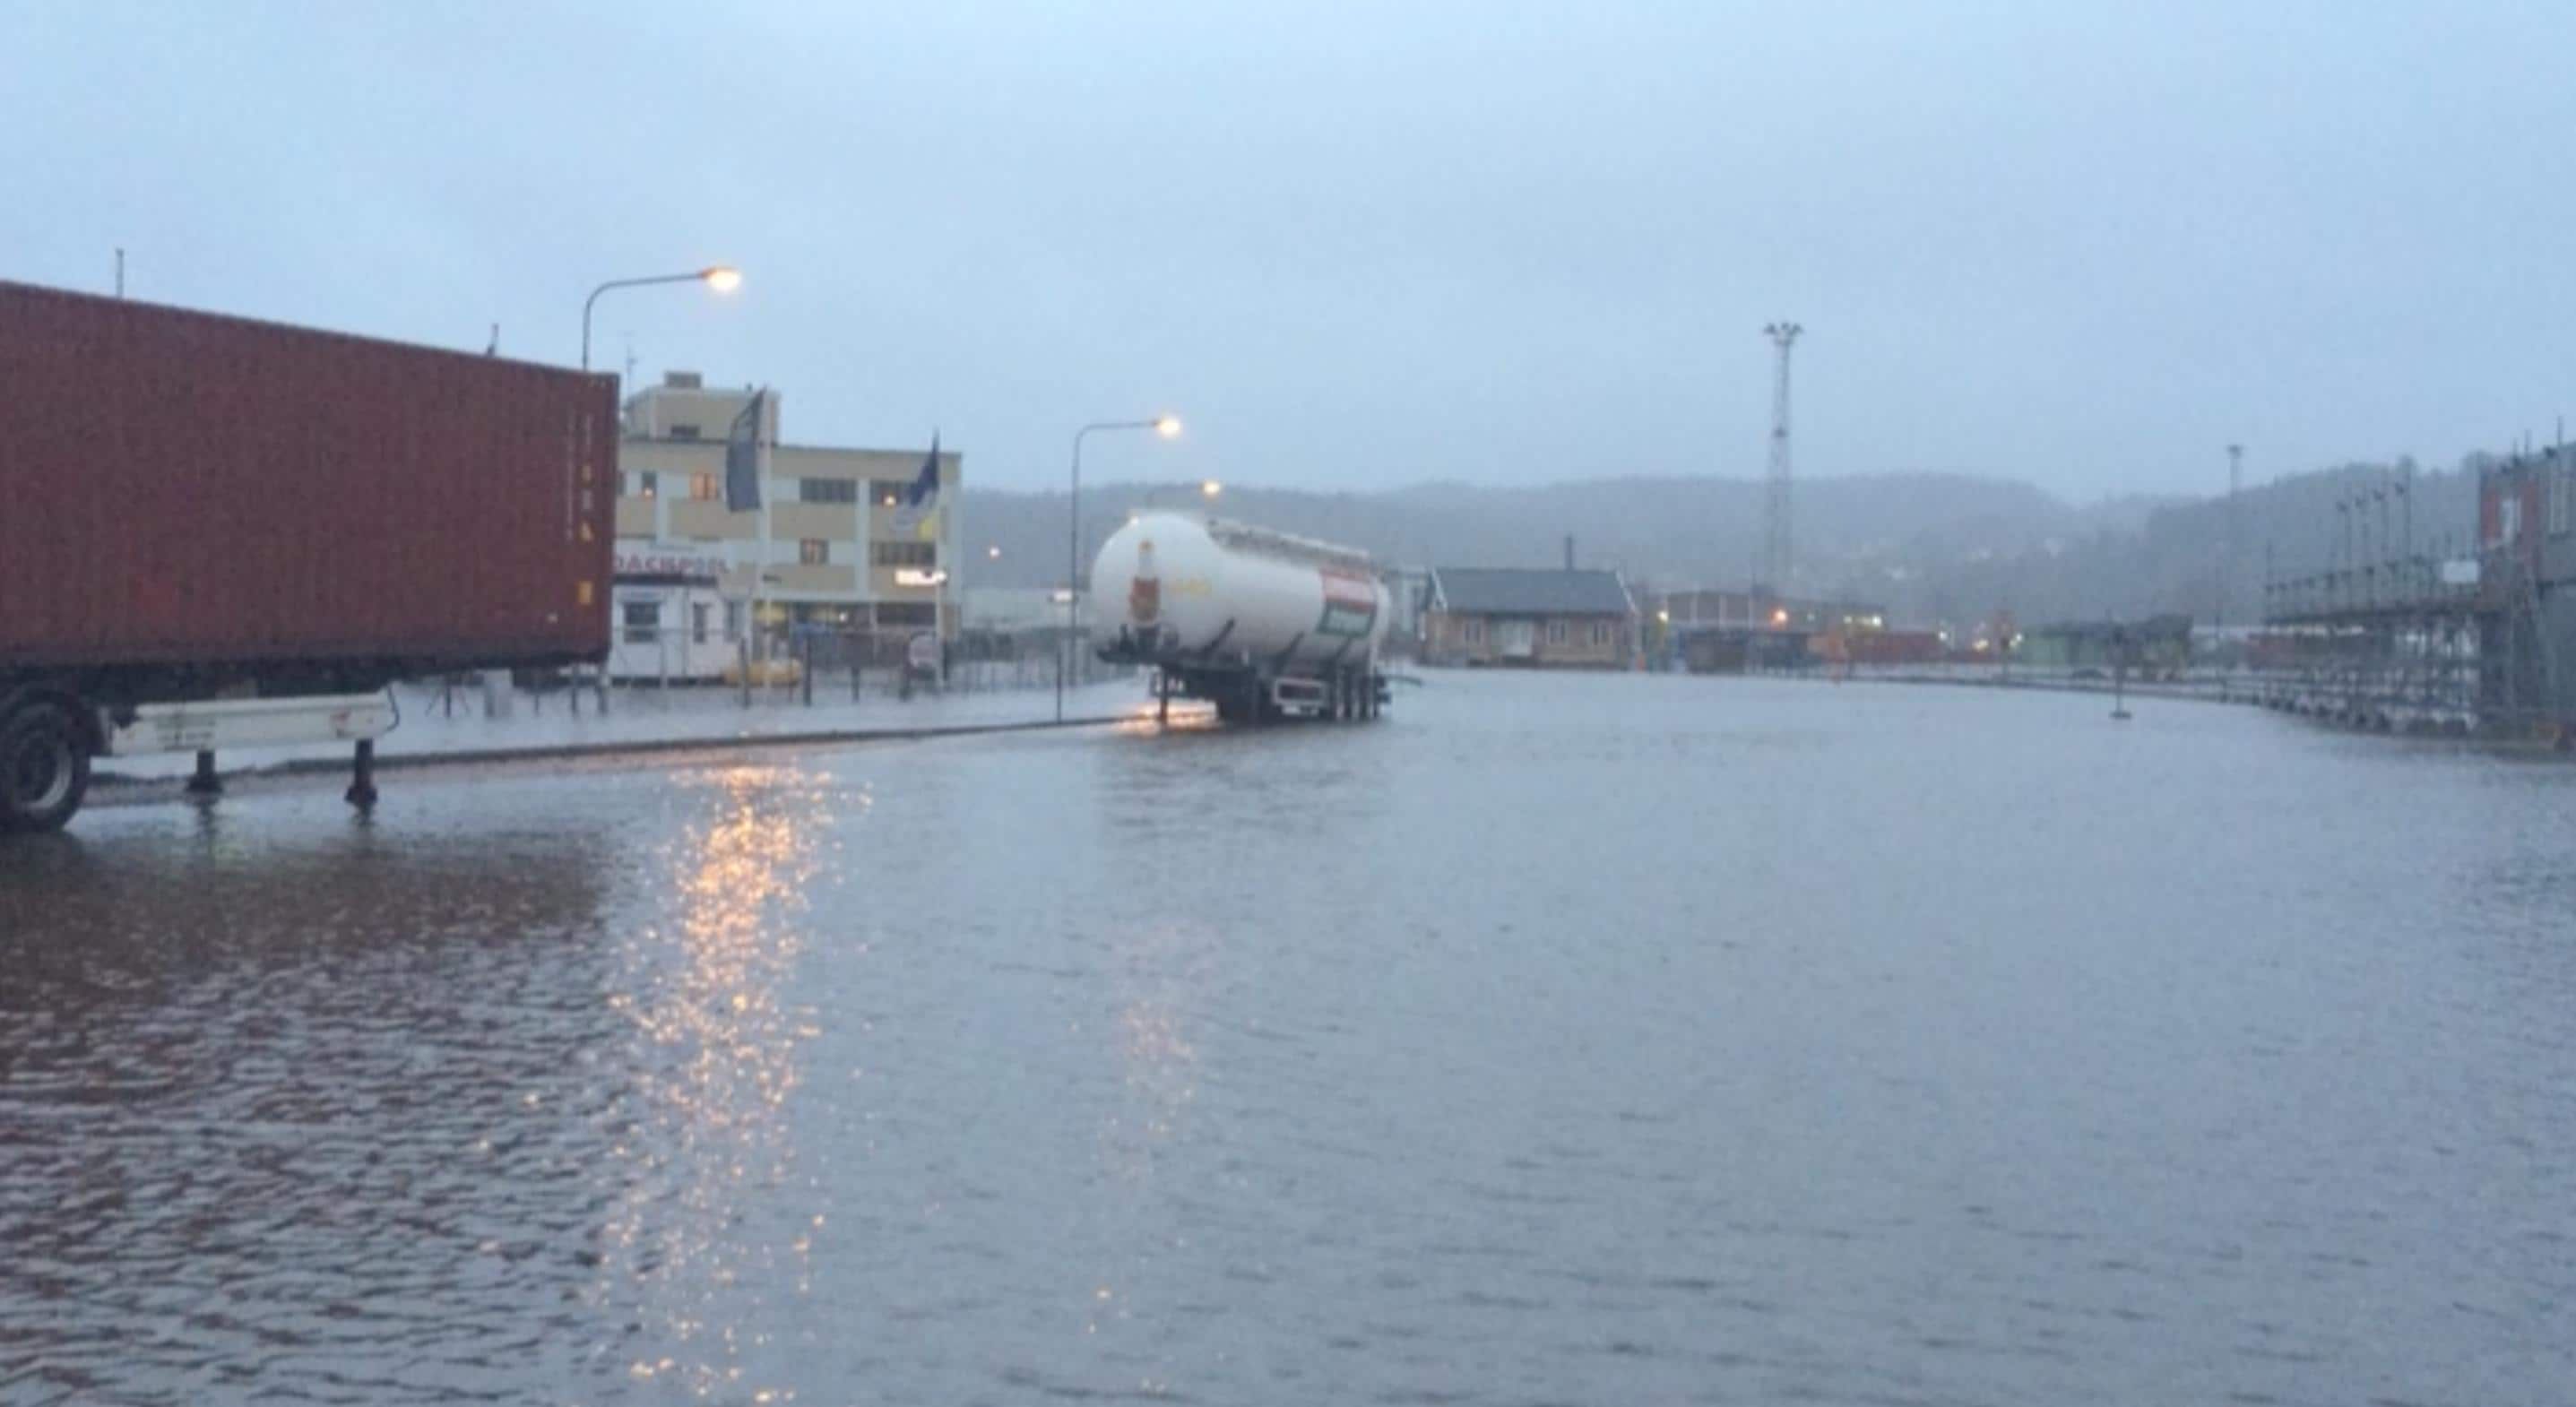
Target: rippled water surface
point(1605, 1040)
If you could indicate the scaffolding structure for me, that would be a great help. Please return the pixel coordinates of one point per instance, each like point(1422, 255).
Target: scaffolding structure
point(2397, 640)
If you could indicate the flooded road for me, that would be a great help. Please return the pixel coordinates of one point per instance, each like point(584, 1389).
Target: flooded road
point(1603, 1040)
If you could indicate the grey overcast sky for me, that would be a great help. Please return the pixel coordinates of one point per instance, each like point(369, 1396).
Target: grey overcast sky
point(1362, 244)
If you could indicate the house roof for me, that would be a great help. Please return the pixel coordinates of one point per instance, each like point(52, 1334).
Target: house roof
point(1517, 591)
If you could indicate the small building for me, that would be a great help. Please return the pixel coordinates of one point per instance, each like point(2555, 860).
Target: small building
point(2158, 647)
point(1729, 632)
point(1529, 618)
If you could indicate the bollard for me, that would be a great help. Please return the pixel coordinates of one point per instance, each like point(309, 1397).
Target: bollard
point(205, 783)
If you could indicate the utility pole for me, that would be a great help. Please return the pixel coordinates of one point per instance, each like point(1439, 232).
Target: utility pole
point(2227, 534)
point(1776, 558)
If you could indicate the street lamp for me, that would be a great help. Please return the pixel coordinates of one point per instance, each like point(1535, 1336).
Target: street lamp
point(1166, 426)
point(1208, 489)
point(723, 278)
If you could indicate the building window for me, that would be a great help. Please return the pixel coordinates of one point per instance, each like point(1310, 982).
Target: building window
point(643, 622)
point(702, 487)
point(827, 490)
point(1600, 632)
point(1556, 632)
point(2562, 487)
point(903, 554)
point(648, 484)
point(1475, 632)
point(733, 620)
point(903, 613)
point(684, 432)
point(813, 551)
point(889, 492)
point(698, 623)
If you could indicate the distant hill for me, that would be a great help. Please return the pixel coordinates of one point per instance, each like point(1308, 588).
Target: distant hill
point(1930, 547)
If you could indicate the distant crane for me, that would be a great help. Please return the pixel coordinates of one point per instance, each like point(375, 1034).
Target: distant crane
point(1776, 560)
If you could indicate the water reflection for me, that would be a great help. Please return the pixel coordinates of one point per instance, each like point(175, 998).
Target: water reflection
point(698, 1244)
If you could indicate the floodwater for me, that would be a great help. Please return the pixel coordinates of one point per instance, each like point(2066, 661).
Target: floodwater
point(1583, 1040)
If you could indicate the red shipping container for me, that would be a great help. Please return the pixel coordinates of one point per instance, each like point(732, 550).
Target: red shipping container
point(232, 497)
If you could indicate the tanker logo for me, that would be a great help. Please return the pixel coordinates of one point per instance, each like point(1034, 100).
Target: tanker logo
point(1145, 589)
point(1350, 604)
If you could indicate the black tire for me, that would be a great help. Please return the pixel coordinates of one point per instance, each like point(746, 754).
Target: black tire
point(44, 768)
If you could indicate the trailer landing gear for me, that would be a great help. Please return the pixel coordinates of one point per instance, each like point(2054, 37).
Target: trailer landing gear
point(362, 777)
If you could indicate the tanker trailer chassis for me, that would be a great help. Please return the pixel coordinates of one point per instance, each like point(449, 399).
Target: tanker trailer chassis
point(1245, 694)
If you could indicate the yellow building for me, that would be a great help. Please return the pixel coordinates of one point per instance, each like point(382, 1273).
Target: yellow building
point(845, 552)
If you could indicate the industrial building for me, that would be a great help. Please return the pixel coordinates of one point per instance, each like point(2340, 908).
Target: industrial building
point(845, 552)
point(1725, 632)
point(2157, 647)
point(1565, 619)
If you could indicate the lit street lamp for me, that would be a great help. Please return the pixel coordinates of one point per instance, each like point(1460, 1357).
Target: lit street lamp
point(723, 278)
point(1207, 489)
point(1164, 425)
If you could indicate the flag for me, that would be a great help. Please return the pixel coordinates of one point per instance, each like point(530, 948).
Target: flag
point(927, 529)
point(742, 458)
point(925, 485)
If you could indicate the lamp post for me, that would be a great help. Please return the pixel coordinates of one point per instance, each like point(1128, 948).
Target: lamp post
point(723, 278)
point(1163, 425)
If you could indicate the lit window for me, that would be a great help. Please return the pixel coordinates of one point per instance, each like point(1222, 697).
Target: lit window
point(648, 484)
point(813, 551)
point(702, 487)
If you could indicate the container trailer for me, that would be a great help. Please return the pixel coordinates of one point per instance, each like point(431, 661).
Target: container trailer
point(216, 531)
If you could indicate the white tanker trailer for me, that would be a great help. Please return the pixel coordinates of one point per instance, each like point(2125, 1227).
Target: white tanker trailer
point(1262, 623)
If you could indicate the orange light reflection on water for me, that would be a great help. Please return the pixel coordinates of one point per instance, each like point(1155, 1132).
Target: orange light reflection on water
point(712, 1132)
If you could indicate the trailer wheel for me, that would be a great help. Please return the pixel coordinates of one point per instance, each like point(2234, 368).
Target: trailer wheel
point(44, 768)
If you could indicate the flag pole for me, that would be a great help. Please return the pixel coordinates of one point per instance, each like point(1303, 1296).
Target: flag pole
point(947, 565)
point(760, 573)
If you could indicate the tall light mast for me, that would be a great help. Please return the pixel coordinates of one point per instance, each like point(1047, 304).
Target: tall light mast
point(1776, 546)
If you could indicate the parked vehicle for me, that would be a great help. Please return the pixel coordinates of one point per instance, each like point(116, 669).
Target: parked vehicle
point(215, 531)
point(1263, 623)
